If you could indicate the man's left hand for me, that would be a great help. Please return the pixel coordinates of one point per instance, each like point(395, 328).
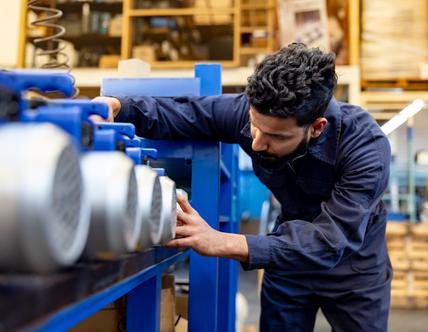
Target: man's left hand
point(194, 232)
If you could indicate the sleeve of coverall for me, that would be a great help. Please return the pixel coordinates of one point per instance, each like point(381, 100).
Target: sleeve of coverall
point(341, 226)
point(206, 118)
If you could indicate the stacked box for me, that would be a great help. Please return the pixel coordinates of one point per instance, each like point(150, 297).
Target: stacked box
point(418, 251)
point(397, 235)
point(408, 251)
point(394, 39)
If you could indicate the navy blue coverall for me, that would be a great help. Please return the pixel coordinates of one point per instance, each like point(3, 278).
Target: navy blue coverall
point(328, 246)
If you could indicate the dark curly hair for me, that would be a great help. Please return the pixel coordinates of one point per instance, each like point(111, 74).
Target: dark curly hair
point(294, 82)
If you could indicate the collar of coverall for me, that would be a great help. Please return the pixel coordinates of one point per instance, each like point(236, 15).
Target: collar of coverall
point(325, 146)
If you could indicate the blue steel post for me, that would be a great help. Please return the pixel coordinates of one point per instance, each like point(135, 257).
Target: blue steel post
point(143, 306)
point(229, 269)
point(203, 271)
point(210, 76)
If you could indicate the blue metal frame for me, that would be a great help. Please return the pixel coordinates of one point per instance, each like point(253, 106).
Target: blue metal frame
point(229, 222)
point(134, 286)
point(213, 281)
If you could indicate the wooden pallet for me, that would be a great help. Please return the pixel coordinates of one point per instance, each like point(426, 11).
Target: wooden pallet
point(397, 242)
point(399, 283)
point(408, 251)
point(402, 83)
point(419, 231)
point(409, 290)
point(399, 261)
point(408, 302)
point(418, 249)
point(397, 229)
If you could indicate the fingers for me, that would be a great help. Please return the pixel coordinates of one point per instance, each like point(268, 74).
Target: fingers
point(183, 218)
point(179, 243)
point(183, 231)
point(96, 118)
point(184, 204)
point(113, 104)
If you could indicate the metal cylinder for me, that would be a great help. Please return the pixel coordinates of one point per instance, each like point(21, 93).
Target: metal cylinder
point(43, 217)
point(149, 205)
point(169, 210)
point(111, 188)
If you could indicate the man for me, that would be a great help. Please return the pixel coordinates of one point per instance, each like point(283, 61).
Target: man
point(326, 162)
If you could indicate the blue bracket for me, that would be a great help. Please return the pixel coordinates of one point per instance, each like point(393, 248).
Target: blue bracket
point(43, 81)
point(125, 129)
point(113, 136)
point(88, 107)
point(151, 87)
point(73, 116)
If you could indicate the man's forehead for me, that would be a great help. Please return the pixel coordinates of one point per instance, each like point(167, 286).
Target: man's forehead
point(272, 124)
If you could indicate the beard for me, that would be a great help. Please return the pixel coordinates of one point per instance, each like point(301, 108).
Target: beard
point(268, 160)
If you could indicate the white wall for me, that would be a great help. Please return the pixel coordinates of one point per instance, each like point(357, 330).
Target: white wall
point(9, 32)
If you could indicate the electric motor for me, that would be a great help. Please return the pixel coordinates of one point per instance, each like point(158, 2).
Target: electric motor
point(44, 219)
point(111, 187)
point(149, 206)
point(169, 209)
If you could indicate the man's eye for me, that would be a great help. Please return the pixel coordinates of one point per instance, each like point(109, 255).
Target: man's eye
point(279, 137)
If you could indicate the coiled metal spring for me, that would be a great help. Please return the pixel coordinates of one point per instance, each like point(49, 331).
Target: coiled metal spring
point(52, 45)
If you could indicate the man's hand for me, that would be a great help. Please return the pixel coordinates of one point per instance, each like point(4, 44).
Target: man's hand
point(194, 232)
point(114, 108)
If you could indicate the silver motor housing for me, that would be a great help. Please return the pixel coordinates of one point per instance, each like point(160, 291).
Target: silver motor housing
point(169, 210)
point(112, 190)
point(149, 205)
point(43, 217)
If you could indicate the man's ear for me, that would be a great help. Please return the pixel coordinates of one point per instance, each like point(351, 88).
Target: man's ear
point(317, 127)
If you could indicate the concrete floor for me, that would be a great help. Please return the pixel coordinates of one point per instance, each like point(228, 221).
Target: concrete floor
point(399, 320)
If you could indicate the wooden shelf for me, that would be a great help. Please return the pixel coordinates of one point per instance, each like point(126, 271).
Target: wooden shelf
point(259, 6)
point(180, 12)
point(76, 6)
point(254, 50)
point(86, 38)
point(249, 29)
point(189, 64)
point(231, 76)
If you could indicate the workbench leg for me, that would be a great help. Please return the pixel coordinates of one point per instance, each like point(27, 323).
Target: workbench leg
point(203, 271)
point(227, 288)
point(143, 307)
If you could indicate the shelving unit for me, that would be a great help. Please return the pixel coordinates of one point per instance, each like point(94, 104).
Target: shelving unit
point(89, 30)
point(183, 40)
point(258, 24)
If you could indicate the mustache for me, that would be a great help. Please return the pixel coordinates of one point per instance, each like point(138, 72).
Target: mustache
point(267, 156)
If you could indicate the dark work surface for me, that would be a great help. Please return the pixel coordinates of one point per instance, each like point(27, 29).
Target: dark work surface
point(27, 298)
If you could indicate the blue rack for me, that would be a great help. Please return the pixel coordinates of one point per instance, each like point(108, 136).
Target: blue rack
point(80, 292)
point(213, 281)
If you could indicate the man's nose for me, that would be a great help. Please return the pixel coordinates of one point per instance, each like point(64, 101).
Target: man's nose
point(259, 143)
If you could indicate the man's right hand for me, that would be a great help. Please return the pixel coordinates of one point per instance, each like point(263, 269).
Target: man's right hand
point(114, 108)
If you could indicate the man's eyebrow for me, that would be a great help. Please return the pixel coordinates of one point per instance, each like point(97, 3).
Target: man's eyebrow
point(285, 135)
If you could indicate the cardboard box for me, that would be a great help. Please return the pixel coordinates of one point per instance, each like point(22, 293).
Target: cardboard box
point(146, 53)
point(394, 39)
point(109, 61)
point(112, 318)
point(167, 307)
point(303, 21)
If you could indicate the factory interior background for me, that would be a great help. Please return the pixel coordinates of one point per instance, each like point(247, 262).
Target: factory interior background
point(381, 49)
